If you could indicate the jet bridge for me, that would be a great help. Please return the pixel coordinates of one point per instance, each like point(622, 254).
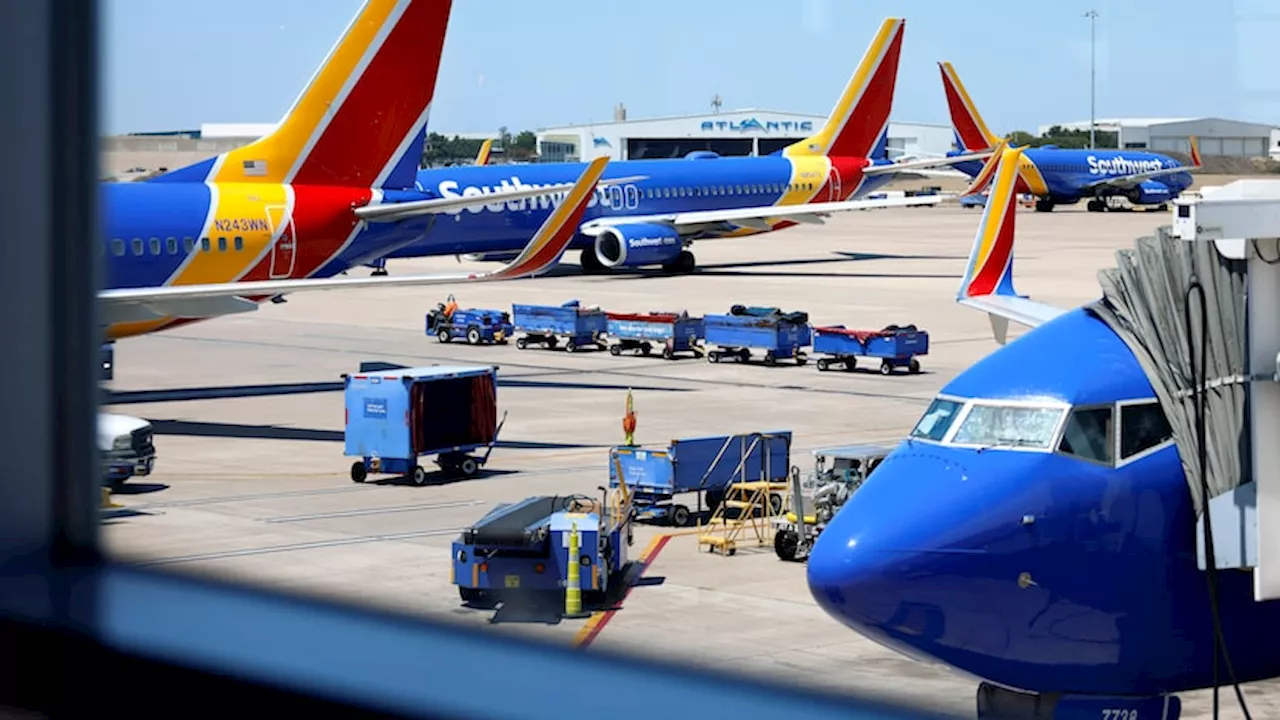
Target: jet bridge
point(1242, 222)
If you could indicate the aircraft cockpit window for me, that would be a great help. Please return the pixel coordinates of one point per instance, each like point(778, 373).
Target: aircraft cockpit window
point(1089, 434)
point(1142, 427)
point(936, 420)
point(1011, 426)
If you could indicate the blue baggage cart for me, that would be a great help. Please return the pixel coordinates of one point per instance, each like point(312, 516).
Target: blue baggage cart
point(706, 466)
point(779, 334)
point(397, 415)
point(894, 346)
point(546, 324)
point(676, 332)
point(477, 325)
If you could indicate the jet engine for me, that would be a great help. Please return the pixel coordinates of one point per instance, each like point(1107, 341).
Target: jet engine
point(637, 245)
point(1150, 192)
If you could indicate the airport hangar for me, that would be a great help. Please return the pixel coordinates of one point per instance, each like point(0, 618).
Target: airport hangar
point(1217, 137)
point(728, 133)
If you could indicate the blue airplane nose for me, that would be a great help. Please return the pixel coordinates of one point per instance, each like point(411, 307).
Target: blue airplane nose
point(887, 564)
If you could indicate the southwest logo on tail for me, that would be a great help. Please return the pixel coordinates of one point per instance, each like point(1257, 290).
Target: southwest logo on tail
point(679, 201)
point(1058, 176)
point(307, 201)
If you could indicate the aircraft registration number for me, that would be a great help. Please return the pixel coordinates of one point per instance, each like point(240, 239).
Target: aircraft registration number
point(1120, 714)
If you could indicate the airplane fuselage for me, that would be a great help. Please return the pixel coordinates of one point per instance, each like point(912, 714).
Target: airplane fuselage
point(1037, 553)
point(183, 233)
point(663, 187)
point(1063, 175)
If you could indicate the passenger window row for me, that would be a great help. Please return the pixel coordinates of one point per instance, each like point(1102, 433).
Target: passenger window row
point(722, 190)
point(1090, 432)
point(170, 245)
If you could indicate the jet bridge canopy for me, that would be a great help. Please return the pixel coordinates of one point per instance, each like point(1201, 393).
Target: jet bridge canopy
point(1240, 223)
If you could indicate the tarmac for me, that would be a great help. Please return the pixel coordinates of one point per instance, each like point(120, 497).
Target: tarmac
point(256, 488)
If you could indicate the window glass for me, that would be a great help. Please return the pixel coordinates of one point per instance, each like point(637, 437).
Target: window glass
point(936, 420)
point(137, 246)
point(188, 244)
point(117, 247)
point(239, 243)
point(204, 244)
point(1008, 426)
point(172, 245)
point(1142, 427)
point(222, 244)
point(155, 246)
point(1088, 434)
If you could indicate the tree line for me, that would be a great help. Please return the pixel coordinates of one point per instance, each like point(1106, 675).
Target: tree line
point(442, 150)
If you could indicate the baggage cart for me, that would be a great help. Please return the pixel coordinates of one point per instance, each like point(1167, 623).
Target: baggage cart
point(675, 332)
point(705, 466)
point(779, 334)
point(448, 322)
point(396, 416)
point(894, 346)
point(520, 549)
point(547, 324)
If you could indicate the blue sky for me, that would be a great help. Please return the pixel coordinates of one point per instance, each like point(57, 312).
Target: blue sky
point(172, 64)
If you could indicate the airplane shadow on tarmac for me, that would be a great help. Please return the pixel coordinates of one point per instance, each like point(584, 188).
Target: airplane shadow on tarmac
point(192, 428)
point(744, 268)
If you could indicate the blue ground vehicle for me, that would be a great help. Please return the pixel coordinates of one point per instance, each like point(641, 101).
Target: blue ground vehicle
point(448, 322)
point(780, 334)
point(523, 548)
point(894, 346)
point(395, 416)
point(703, 465)
point(676, 332)
point(546, 324)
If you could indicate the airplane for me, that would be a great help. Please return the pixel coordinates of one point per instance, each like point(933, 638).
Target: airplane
point(327, 188)
point(1036, 529)
point(482, 157)
point(671, 203)
point(1060, 176)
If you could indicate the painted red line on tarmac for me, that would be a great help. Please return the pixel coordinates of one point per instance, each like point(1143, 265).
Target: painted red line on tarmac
point(600, 620)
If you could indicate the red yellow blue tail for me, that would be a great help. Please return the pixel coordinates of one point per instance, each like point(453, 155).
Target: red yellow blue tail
point(990, 270)
point(358, 123)
point(972, 134)
point(482, 157)
point(859, 123)
point(988, 172)
point(1195, 152)
point(558, 230)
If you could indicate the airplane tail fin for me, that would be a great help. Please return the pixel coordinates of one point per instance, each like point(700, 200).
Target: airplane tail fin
point(990, 270)
point(1195, 152)
point(972, 134)
point(858, 125)
point(361, 120)
point(983, 178)
point(482, 157)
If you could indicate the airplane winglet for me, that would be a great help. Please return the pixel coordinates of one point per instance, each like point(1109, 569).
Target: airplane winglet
point(559, 229)
point(988, 280)
point(988, 172)
point(482, 157)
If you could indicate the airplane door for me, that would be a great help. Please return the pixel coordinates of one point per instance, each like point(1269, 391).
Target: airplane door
point(615, 197)
point(633, 196)
point(284, 249)
point(833, 182)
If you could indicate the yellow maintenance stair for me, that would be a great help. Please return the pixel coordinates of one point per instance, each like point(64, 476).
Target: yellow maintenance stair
point(744, 516)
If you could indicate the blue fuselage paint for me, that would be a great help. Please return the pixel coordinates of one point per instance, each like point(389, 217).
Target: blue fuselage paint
point(927, 555)
point(1066, 173)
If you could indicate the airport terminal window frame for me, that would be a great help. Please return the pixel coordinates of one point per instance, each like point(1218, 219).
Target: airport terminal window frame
point(82, 623)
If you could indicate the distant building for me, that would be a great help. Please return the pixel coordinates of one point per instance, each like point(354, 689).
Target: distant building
point(737, 132)
point(1216, 136)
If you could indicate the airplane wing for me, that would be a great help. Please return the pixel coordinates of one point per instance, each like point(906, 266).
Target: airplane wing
point(926, 163)
point(395, 212)
point(988, 281)
point(1126, 182)
point(542, 253)
point(755, 217)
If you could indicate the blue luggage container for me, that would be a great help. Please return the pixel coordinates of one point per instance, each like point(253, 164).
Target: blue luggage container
point(675, 332)
point(395, 416)
point(546, 324)
point(895, 347)
point(779, 334)
point(703, 465)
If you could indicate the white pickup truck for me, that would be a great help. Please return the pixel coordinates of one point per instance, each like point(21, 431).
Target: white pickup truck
point(127, 448)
